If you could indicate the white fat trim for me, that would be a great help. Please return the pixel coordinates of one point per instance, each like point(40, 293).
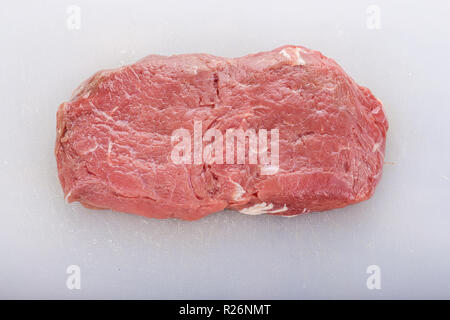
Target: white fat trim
point(238, 192)
point(285, 208)
point(284, 53)
point(66, 198)
point(262, 208)
point(296, 58)
point(299, 57)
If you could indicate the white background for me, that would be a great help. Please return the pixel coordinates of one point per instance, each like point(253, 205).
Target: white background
point(404, 228)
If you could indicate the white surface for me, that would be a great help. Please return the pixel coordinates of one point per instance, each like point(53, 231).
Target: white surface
point(404, 228)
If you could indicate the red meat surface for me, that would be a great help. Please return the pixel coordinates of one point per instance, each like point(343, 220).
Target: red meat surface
point(113, 146)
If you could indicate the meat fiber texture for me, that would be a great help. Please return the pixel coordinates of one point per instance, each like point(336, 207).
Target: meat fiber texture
point(114, 136)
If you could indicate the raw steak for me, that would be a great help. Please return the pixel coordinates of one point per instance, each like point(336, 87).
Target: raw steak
point(114, 137)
